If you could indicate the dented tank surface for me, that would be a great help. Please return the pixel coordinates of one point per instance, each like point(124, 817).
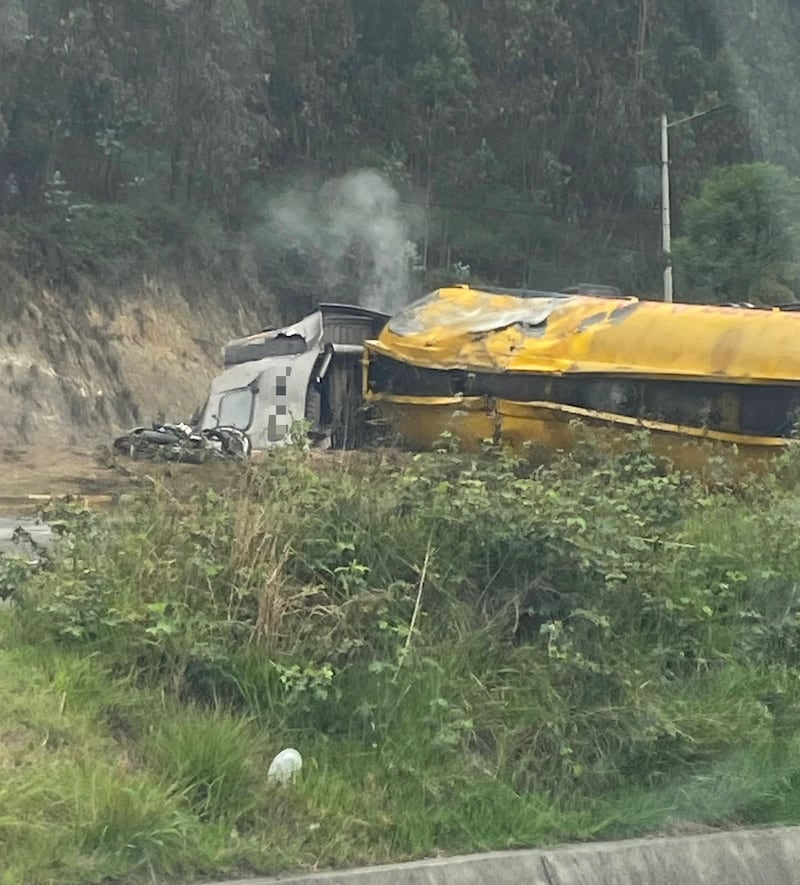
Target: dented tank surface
point(469, 329)
point(720, 372)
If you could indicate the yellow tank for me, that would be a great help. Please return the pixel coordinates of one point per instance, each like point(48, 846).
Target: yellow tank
point(523, 367)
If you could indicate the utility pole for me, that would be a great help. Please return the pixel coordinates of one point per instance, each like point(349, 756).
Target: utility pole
point(666, 234)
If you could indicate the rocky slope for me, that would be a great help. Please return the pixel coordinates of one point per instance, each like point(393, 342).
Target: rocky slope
point(82, 366)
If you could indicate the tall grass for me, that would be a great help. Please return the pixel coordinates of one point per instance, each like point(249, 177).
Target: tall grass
point(211, 757)
point(470, 651)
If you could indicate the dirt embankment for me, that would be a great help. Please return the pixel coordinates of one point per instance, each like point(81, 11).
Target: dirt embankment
point(79, 365)
point(77, 368)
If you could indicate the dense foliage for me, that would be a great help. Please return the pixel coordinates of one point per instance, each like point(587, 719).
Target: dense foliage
point(469, 651)
point(527, 130)
point(742, 236)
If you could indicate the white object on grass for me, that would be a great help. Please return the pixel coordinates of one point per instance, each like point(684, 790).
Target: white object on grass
point(285, 767)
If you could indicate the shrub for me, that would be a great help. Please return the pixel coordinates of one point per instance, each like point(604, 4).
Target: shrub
point(598, 621)
point(99, 239)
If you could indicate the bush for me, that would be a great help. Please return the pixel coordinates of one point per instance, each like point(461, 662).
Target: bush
point(554, 621)
point(98, 239)
point(114, 241)
point(741, 236)
point(470, 650)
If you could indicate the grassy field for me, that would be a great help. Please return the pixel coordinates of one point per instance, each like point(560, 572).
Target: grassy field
point(469, 651)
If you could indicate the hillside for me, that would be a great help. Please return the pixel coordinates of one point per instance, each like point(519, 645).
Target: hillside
point(82, 362)
point(521, 140)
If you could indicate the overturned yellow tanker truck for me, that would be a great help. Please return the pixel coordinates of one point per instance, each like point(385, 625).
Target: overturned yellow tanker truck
point(521, 366)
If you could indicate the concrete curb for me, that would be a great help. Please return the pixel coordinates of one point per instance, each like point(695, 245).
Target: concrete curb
point(739, 857)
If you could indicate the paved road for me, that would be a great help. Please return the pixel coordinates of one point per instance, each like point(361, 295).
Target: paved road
point(40, 533)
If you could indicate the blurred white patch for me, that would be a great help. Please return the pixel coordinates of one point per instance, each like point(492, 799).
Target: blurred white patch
point(285, 767)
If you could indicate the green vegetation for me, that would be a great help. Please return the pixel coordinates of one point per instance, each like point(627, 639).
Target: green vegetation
point(469, 651)
point(526, 133)
point(742, 239)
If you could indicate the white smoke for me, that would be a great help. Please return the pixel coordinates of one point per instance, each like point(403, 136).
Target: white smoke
point(357, 232)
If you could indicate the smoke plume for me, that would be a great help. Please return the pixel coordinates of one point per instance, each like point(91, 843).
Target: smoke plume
point(354, 237)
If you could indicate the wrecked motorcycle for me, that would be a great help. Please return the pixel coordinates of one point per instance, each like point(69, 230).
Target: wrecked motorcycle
point(183, 443)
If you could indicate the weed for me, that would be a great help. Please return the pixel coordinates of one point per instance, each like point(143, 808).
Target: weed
point(217, 761)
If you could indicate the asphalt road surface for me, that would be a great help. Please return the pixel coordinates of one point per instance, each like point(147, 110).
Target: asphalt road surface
point(40, 532)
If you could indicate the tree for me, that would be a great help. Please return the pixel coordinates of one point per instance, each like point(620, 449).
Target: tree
point(443, 81)
point(741, 237)
point(529, 128)
point(13, 26)
point(314, 44)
